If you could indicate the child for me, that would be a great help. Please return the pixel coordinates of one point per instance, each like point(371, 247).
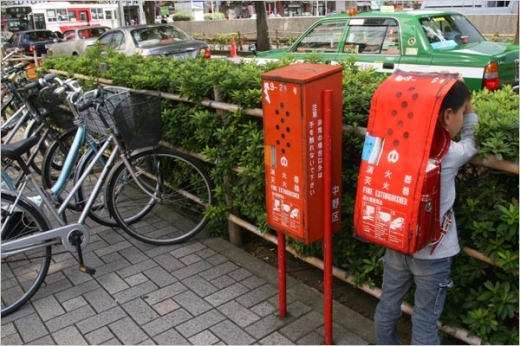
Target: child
point(430, 270)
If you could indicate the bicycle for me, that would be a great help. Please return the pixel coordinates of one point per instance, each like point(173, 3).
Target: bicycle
point(144, 179)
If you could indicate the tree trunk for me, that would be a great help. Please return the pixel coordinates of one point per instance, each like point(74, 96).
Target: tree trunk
point(262, 33)
point(149, 10)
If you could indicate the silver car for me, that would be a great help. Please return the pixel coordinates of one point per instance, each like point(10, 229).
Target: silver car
point(76, 40)
point(161, 40)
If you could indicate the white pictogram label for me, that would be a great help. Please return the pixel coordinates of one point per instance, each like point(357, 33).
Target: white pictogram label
point(393, 156)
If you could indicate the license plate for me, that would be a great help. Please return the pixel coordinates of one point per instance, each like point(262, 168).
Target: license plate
point(180, 56)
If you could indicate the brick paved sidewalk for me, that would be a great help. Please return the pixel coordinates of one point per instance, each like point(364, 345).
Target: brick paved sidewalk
point(206, 291)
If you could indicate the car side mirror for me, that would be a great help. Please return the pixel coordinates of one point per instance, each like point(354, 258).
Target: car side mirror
point(252, 48)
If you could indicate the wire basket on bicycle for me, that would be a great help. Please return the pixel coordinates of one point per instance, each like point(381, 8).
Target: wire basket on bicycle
point(136, 118)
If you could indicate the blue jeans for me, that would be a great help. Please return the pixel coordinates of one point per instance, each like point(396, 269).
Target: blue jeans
point(432, 279)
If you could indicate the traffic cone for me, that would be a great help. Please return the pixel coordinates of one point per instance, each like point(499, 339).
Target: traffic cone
point(233, 48)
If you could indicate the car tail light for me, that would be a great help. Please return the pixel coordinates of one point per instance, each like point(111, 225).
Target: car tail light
point(205, 53)
point(31, 48)
point(491, 79)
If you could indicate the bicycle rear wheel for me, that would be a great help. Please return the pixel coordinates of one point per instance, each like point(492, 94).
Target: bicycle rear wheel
point(182, 186)
point(22, 273)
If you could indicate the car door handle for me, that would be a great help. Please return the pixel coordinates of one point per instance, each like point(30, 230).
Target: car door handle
point(388, 65)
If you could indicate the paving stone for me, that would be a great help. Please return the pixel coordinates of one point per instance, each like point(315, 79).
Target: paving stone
point(277, 339)
point(204, 338)
point(206, 252)
point(133, 255)
point(13, 339)
point(113, 341)
point(253, 282)
point(240, 274)
point(231, 334)
point(25, 310)
point(302, 325)
point(69, 336)
point(226, 294)
point(46, 340)
point(76, 291)
point(101, 319)
point(192, 303)
point(48, 308)
point(219, 270)
point(135, 292)
point(147, 342)
point(128, 331)
point(140, 311)
point(223, 281)
point(55, 287)
point(165, 307)
point(54, 277)
point(98, 336)
point(217, 259)
point(136, 268)
point(168, 262)
point(312, 338)
point(113, 248)
point(113, 283)
point(100, 300)
point(8, 329)
point(59, 266)
point(238, 314)
point(74, 303)
point(170, 337)
point(69, 318)
point(297, 309)
point(200, 286)
point(188, 249)
point(111, 257)
point(111, 267)
point(160, 276)
point(190, 259)
point(111, 237)
point(136, 279)
point(265, 326)
point(257, 295)
point(192, 269)
point(30, 328)
point(263, 309)
point(199, 323)
point(155, 251)
point(164, 293)
point(167, 321)
point(77, 277)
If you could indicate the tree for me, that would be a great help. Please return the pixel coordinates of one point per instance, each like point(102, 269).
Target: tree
point(149, 10)
point(262, 30)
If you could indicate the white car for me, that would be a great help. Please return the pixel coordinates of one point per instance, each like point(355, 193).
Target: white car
point(75, 41)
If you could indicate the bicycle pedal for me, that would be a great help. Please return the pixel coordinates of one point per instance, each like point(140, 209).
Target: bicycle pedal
point(87, 270)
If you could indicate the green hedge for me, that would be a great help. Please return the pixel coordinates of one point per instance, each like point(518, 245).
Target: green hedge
point(484, 299)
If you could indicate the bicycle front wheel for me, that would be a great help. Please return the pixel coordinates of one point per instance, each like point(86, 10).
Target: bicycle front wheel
point(181, 185)
point(22, 273)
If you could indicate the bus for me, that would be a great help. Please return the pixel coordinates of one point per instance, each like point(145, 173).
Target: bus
point(57, 16)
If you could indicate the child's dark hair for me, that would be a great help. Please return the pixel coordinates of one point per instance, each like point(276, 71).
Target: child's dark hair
point(456, 97)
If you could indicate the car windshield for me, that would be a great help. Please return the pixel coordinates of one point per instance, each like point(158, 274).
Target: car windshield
point(158, 35)
point(92, 32)
point(38, 35)
point(448, 31)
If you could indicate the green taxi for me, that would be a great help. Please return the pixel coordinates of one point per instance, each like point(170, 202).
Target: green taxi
point(427, 41)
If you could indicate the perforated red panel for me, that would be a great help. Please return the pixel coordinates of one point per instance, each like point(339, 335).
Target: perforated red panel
point(401, 126)
point(294, 148)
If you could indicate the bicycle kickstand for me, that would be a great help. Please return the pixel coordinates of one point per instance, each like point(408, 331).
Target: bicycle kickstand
point(75, 239)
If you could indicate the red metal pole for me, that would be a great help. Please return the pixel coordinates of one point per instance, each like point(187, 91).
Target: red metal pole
point(327, 215)
point(282, 292)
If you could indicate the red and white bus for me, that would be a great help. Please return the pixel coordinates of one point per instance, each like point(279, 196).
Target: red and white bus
point(57, 16)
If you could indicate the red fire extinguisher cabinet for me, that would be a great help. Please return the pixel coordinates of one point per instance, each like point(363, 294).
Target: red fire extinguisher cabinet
point(397, 200)
point(293, 106)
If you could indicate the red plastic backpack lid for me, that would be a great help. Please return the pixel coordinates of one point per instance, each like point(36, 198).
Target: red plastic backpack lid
point(440, 142)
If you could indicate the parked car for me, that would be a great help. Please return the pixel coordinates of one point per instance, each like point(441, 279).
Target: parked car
point(426, 41)
point(162, 40)
point(33, 40)
point(76, 40)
